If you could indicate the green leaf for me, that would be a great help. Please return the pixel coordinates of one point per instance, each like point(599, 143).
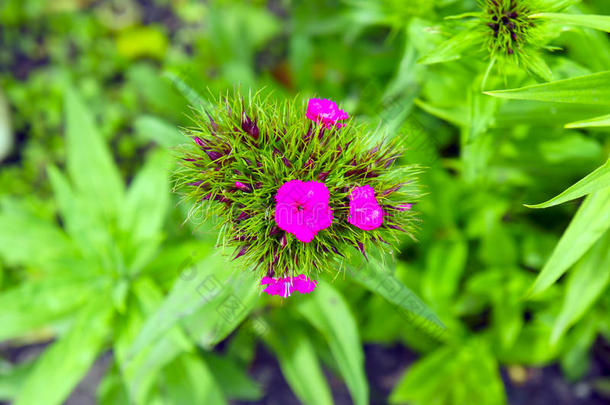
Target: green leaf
point(188, 380)
point(299, 363)
point(182, 84)
point(12, 378)
point(376, 277)
point(588, 280)
point(83, 222)
point(145, 209)
point(591, 221)
point(65, 362)
point(452, 48)
point(233, 378)
point(147, 201)
point(28, 240)
point(328, 312)
point(111, 390)
point(54, 299)
point(464, 374)
point(140, 369)
point(593, 182)
point(445, 264)
point(603, 121)
point(592, 89)
point(212, 298)
point(598, 22)
point(89, 162)
point(151, 128)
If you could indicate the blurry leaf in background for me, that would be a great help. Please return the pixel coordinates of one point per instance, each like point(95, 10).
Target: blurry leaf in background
point(586, 282)
point(90, 164)
point(53, 299)
point(232, 378)
point(598, 22)
point(150, 128)
point(137, 42)
point(375, 276)
point(6, 132)
point(81, 216)
point(328, 312)
point(591, 89)
point(188, 380)
point(65, 363)
point(466, 374)
point(453, 48)
point(445, 265)
point(595, 181)
point(299, 363)
point(140, 370)
point(29, 240)
point(12, 378)
point(575, 360)
point(603, 121)
point(591, 221)
point(182, 83)
point(145, 209)
point(210, 297)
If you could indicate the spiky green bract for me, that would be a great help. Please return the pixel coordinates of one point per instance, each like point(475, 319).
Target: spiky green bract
point(508, 32)
point(264, 144)
point(512, 37)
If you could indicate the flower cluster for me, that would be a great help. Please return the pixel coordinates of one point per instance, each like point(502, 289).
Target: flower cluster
point(298, 189)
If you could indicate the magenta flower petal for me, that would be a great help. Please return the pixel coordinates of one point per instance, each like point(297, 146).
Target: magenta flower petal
point(302, 209)
point(285, 286)
point(364, 210)
point(326, 112)
point(303, 284)
point(268, 280)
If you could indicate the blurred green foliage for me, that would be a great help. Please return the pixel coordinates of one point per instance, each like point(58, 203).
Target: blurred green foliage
point(95, 252)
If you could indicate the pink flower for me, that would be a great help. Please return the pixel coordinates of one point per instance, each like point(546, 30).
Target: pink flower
point(326, 112)
point(287, 285)
point(364, 211)
point(302, 209)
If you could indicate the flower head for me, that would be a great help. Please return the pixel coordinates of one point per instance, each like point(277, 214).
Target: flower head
point(302, 209)
point(295, 198)
point(326, 112)
point(364, 210)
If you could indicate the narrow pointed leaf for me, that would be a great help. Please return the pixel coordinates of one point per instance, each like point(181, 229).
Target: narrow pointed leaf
point(591, 221)
point(90, 164)
point(147, 199)
point(328, 312)
point(591, 89)
point(452, 48)
point(586, 283)
point(188, 380)
point(210, 299)
point(595, 181)
point(182, 85)
point(39, 303)
point(299, 364)
point(598, 22)
point(376, 277)
point(65, 362)
point(603, 121)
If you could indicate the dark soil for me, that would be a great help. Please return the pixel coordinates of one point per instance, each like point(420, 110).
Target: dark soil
point(384, 365)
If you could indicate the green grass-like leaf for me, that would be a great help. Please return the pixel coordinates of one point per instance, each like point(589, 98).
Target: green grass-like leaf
point(591, 89)
point(593, 182)
point(603, 121)
point(591, 221)
point(598, 22)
